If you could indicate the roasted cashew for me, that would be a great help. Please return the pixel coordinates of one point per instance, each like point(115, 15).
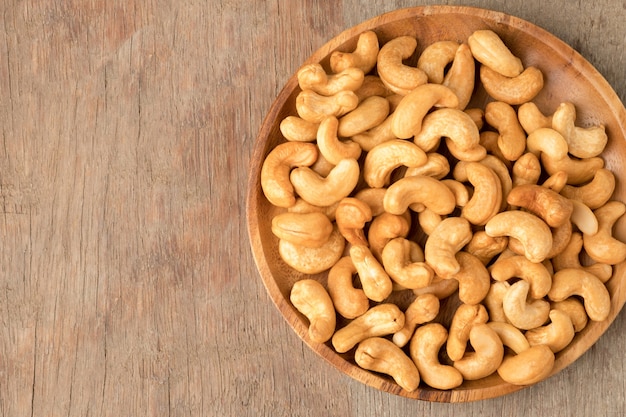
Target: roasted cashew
point(306, 229)
point(603, 247)
point(486, 199)
point(321, 191)
point(556, 335)
point(510, 335)
point(560, 237)
point(547, 141)
point(454, 124)
point(532, 232)
point(313, 260)
point(523, 313)
point(444, 242)
point(487, 356)
point(296, 129)
point(351, 216)
point(362, 57)
point(310, 298)
point(584, 218)
point(302, 206)
point(473, 154)
point(460, 191)
point(579, 171)
point(527, 367)
point(570, 258)
point(380, 320)
point(485, 247)
point(512, 139)
point(428, 220)
point(381, 355)
point(276, 168)
point(419, 189)
point(399, 78)
point(571, 281)
point(407, 118)
point(374, 279)
point(331, 148)
point(376, 135)
point(314, 77)
point(582, 142)
point(526, 170)
point(536, 274)
point(494, 301)
point(552, 207)
point(374, 198)
point(461, 75)
point(595, 193)
point(423, 309)
point(575, 309)
point(489, 49)
point(531, 118)
point(424, 350)
point(368, 114)
point(473, 277)
point(489, 141)
point(434, 59)
point(372, 86)
point(502, 171)
point(383, 159)
point(440, 288)
point(349, 301)
point(478, 116)
point(404, 262)
point(512, 90)
point(436, 166)
point(465, 317)
point(556, 181)
point(315, 107)
point(385, 227)
point(322, 166)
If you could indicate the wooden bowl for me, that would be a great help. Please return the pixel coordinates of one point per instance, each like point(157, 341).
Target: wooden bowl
point(568, 77)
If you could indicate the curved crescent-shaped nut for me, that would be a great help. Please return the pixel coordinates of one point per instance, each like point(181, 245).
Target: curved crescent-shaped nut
point(461, 76)
point(376, 135)
point(296, 129)
point(603, 247)
point(428, 220)
point(369, 113)
point(313, 260)
point(595, 193)
point(582, 142)
point(380, 320)
point(437, 166)
point(315, 107)
point(372, 86)
point(454, 124)
point(351, 216)
point(510, 335)
point(485, 247)
point(526, 170)
point(400, 262)
point(579, 171)
point(407, 119)
point(374, 198)
point(556, 335)
point(502, 171)
point(321, 191)
point(521, 312)
point(374, 279)
point(444, 242)
point(398, 77)
point(383, 159)
point(440, 288)
point(552, 207)
point(528, 367)
point(460, 191)
point(423, 309)
point(474, 154)
point(349, 301)
point(314, 77)
point(512, 138)
point(486, 200)
point(302, 206)
point(517, 266)
point(430, 192)
point(473, 277)
point(575, 309)
point(584, 218)
point(465, 317)
point(424, 350)
point(530, 230)
point(570, 281)
point(515, 90)
point(489, 140)
point(310, 298)
point(385, 227)
point(381, 355)
point(276, 168)
point(547, 141)
point(531, 118)
point(434, 59)
point(363, 56)
point(494, 301)
point(331, 148)
point(487, 356)
point(489, 49)
point(569, 257)
point(556, 181)
point(306, 229)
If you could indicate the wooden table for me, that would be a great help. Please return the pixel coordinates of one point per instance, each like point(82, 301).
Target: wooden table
point(128, 287)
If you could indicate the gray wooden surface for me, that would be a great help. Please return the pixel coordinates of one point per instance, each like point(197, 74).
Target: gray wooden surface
point(127, 286)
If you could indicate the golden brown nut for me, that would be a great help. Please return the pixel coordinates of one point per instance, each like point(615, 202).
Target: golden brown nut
point(310, 298)
point(381, 355)
point(348, 300)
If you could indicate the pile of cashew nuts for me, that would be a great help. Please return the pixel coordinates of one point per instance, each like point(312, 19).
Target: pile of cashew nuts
point(387, 182)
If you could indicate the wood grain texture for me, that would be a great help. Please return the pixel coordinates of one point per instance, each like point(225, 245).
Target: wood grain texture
point(127, 285)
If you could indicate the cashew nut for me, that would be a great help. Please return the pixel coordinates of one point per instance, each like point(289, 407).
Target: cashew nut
point(487, 356)
point(579, 171)
point(582, 142)
point(314, 77)
point(374, 279)
point(383, 159)
point(434, 59)
point(460, 191)
point(536, 274)
point(454, 124)
point(380, 320)
point(376, 135)
point(552, 207)
point(428, 220)
point(486, 247)
point(381, 355)
point(374, 198)
point(424, 350)
point(436, 166)
point(306, 229)
point(297, 129)
point(502, 171)
point(494, 301)
point(368, 114)
point(363, 56)
point(486, 200)
point(331, 148)
point(460, 78)
point(532, 232)
point(512, 90)
point(439, 287)
point(603, 247)
point(399, 78)
point(428, 191)
point(556, 335)
point(526, 170)
point(403, 261)
point(575, 309)
point(473, 277)
point(595, 193)
point(444, 242)
point(510, 335)
point(465, 317)
point(423, 309)
point(315, 107)
point(556, 181)
point(531, 118)
point(489, 141)
point(512, 139)
point(527, 367)
point(489, 49)
point(584, 218)
point(569, 258)
point(523, 313)
point(276, 168)
point(385, 227)
point(348, 300)
point(351, 216)
point(310, 298)
point(321, 191)
point(372, 86)
point(571, 281)
point(302, 206)
point(312, 260)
